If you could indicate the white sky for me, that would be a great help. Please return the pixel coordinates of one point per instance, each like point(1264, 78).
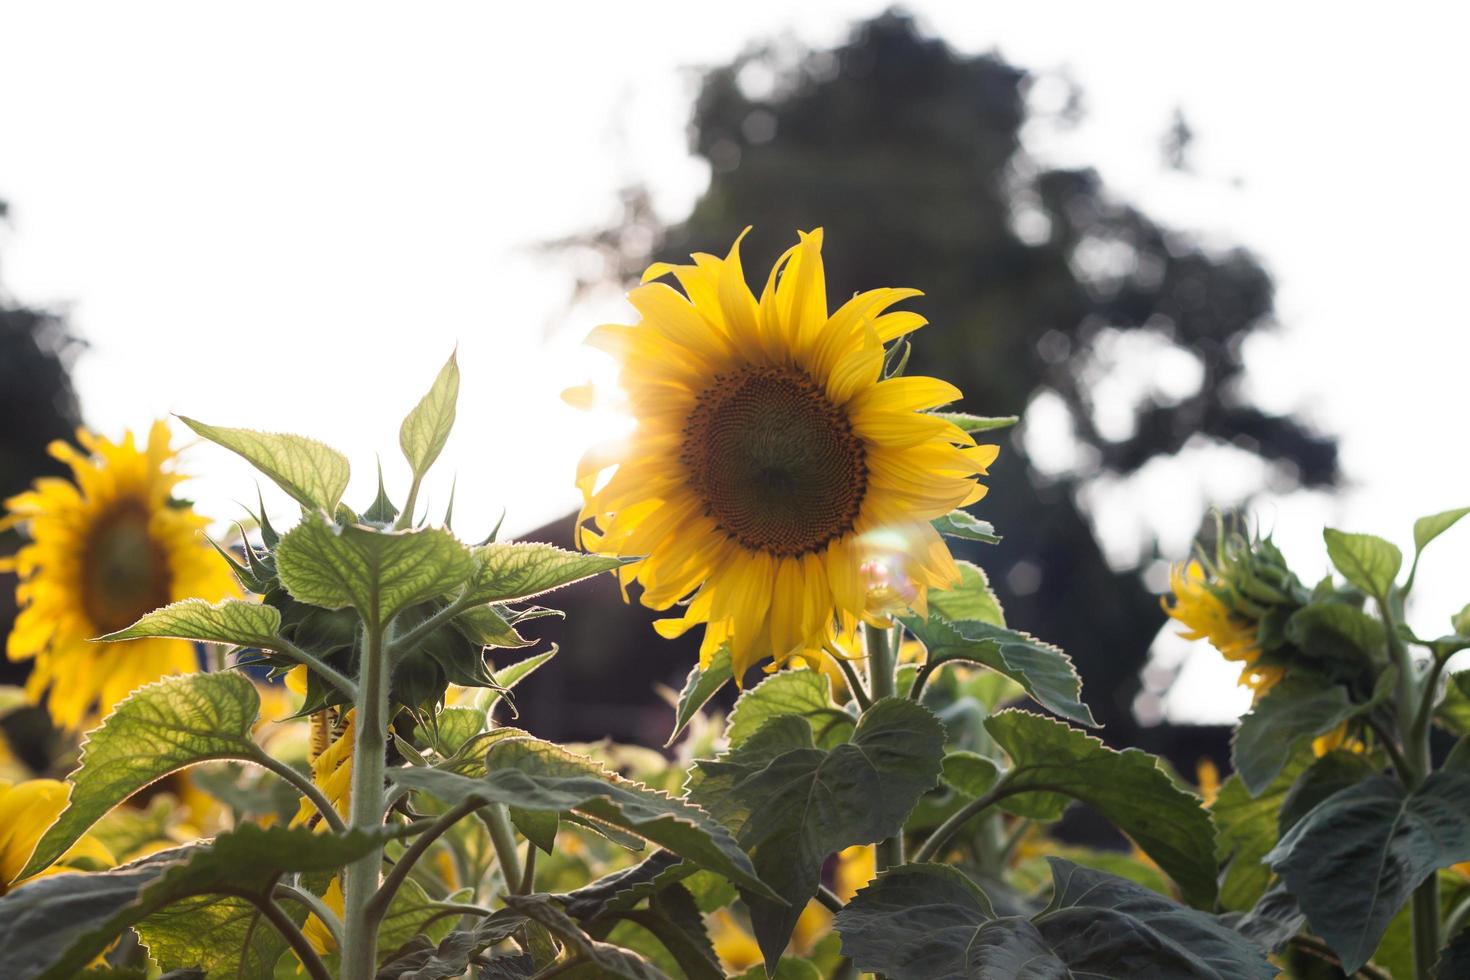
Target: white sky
point(347, 191)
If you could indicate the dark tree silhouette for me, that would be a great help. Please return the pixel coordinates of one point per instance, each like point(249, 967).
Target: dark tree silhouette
point(909, 155)
point(37, 405)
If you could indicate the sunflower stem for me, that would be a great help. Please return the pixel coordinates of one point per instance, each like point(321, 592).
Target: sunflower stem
point(883, 683)
point(359, 950)
point(1424, 909)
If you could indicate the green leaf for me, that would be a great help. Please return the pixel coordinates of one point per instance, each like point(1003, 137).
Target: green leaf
point(509, 572)
point(625, 888)
point(159, 728)
point(673, 919)
point(1128, 788)
point(1453, 710)
point(378, 573)
point(507, 677)
point(535, 775)
point(1042, 669)
point(930, 922)
point(1291, 714)
point(243, 624)
point(803, 693)
point(1343, 641)
point(977, 423)
point(1337, 770)
point(969, 773)
point(972, 600)
point(1247, 828)
point(962, 524)
point(1368, 562)
point(223, 935)
point(487, 627)
point(540, 827)
point(313, 473)
point(422, 960)
point(791, 804)
point(1426, 529)
point(701, 685)
point(1356, 858)
point(426, 429)
point(53, 926)
point(1273, 920)
point(455, 726)
point(609, 960)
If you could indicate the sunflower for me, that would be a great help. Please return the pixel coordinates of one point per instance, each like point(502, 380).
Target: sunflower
point(27, 810)
point(1205, 616)
point(775, 482)
point(105, 548)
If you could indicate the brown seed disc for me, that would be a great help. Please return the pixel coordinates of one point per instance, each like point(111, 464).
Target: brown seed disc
point(777, 464)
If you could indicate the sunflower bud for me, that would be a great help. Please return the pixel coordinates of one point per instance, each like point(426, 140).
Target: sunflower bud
point(1239, 599)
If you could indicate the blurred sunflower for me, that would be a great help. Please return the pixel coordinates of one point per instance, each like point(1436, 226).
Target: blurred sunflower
point(774, 481)
point(27, 809)
point(105, 548)
point(330, 754)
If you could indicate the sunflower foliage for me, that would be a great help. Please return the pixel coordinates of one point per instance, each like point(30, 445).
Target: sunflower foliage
point(881, 800)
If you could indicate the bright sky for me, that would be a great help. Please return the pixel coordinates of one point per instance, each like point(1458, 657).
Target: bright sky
point(344, 192)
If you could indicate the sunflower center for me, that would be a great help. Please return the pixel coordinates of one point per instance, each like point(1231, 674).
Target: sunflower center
point(776, 463)
point(125, 571)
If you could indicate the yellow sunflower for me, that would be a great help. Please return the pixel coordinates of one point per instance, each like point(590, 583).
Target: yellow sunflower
point(27, 810)
point(105, 548)
point(1205, 616)
point(774, 481)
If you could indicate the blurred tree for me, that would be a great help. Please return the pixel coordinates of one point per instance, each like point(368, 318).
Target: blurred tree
point(37, 405)
point(1041, 288)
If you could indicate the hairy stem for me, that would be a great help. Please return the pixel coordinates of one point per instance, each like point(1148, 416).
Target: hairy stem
point(328, 673)
point(377, 907)
point(1415, 739)
point(882, 681)
point(503, 838)
point(962, 816)
point(298, 942)
point(359, 951)
point(315, 904)
point(854, 682)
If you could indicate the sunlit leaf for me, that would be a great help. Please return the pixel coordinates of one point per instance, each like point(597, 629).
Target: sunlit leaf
point(245, 624)
point(971, 600)
point(159, 728)
point(511, 571)
point(314, 474)
point(1426, 529)
point(962, 524)
point(1366, 561)
point(803, 693)
point(426, 429)
point(53, 926)
point(376, 572)
point(702, 684)
point(978, 423)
